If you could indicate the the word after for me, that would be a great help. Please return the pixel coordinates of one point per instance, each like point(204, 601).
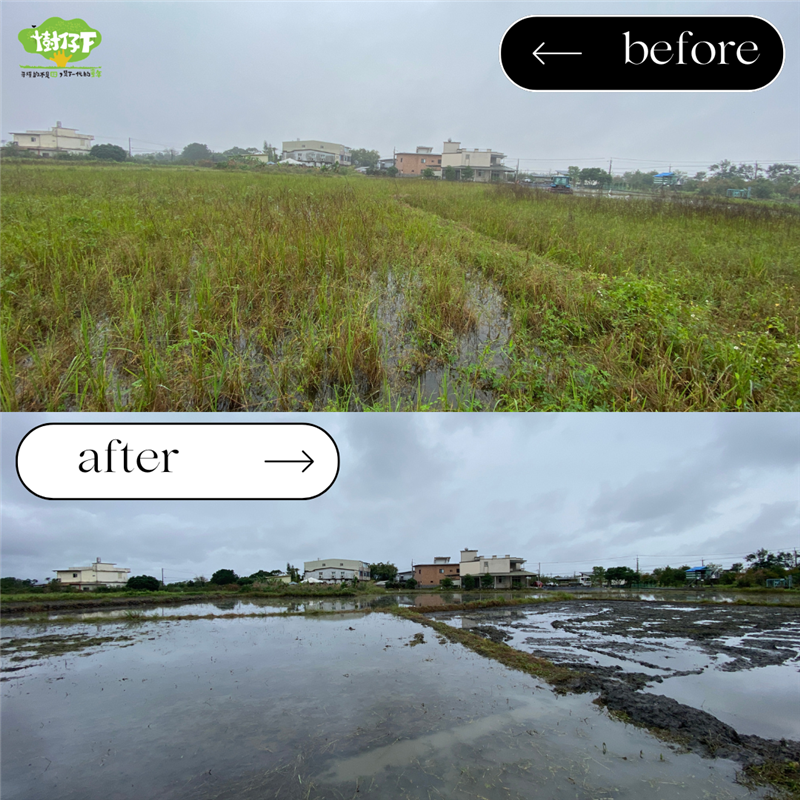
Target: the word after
point(93, 461)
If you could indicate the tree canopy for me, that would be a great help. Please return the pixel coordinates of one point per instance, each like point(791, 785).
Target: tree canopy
point(224, 576)
point(15, 584)
point(594, 175)
point(196, 152)
point(624, 574)
point(109, 152)
point(364, 158)
point(382, 571)
point(233, 152)
point(146, 583)
point(764, 559)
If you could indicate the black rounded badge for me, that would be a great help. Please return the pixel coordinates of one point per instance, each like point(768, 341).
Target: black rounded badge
point(642, 53)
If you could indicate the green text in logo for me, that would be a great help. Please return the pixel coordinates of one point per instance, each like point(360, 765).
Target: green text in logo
point(61, 40)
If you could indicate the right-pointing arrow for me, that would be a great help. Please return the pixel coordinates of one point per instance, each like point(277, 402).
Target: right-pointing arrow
point(545, 53)
point(308, 461)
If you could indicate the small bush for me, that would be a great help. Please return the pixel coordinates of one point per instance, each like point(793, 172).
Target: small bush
point(145, 583)
point(223, 577)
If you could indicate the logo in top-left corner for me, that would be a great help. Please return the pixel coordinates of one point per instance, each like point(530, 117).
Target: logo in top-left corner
point(65, 42)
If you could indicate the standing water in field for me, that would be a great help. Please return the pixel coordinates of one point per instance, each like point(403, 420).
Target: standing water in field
point(738, 663)
point(303, 707)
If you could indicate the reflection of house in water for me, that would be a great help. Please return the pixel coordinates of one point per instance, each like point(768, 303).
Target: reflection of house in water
point(432, 599)
point(505, 571)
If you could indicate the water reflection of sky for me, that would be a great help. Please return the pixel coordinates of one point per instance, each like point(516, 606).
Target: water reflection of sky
point(298, 707)
point(763, 700)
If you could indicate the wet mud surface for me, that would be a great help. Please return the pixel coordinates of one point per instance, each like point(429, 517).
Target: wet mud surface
point(36, 647)
point(628, 652)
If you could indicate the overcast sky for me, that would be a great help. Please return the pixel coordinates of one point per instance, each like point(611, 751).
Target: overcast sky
point(382, 76)
point(568, 490)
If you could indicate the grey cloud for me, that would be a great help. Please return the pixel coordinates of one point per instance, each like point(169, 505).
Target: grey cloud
point(562, 489)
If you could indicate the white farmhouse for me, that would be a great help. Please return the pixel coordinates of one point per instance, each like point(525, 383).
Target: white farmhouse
point(56, 140)
point(486, 165)
point(505, 571)
point(316, 153)
point(335, 570)
point(98, 574)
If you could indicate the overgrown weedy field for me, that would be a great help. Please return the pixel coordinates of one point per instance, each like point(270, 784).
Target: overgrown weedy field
point(187, 289)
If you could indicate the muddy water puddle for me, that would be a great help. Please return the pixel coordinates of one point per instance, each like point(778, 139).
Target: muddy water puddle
point(741, 664)
point(300, 707)
point(478, 356)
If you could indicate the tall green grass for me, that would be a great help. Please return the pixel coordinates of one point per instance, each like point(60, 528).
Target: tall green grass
point(146, 289)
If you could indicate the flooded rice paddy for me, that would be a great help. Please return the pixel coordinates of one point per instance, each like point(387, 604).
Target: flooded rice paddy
point(345, 705)
point(294, 604)
point(739, 663)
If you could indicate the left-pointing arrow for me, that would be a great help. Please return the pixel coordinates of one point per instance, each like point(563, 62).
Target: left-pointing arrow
point(308, 461)
point(545, 53)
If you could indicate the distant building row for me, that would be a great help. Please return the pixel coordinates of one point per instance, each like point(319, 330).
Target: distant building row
point(486, 165)
point(504, 572)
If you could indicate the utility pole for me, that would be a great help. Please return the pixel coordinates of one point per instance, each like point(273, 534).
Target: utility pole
point(162, 577)
point(130, 154)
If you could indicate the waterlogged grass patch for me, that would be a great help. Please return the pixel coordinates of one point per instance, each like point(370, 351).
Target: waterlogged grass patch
point(781, 775)
point(495, 603)
point(15, 650)
point(555, 675)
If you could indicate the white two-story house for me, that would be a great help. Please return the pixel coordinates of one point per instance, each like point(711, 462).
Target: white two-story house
point(506, 571)
point(56, 140)
point(98, 574)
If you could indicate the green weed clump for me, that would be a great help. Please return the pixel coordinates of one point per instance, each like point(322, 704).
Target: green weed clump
point(556, 675)
point(164, 290)
point(781, 775)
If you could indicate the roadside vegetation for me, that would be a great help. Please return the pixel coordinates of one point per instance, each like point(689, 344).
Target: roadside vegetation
point(133, 288)
point(761, 570)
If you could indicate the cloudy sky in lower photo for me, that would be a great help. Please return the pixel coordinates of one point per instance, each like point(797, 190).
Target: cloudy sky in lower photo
point(569, 491)
point(384, 76)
